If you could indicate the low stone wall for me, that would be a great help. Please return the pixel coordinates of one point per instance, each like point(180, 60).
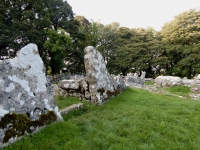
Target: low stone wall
point(63, 76)
point(80, 88)
point(135, 79)
point(167, 81)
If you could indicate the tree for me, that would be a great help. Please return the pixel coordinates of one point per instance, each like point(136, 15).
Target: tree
point(57, 46)
point(84, 23)
point(26, 21)
point(106, 40)
point(22, 22)
point(184, 29)
point(182, 36)
point(138, 50)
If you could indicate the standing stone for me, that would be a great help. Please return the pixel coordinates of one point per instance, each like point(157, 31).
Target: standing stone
point(101, 85)
point(120, 82)
point(142, 78)
point(135, 79)
point(24, 88)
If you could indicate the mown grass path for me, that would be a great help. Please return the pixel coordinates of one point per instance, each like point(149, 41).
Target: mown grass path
point(135, 119)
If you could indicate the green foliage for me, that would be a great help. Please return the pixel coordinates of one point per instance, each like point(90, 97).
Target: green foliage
point(182, 36)
point(137, 50)
point(22, 22)
point(183, 29)
point(19, 124)
point(135, 119)
point(175, 48)
point(106, 40)
point(57, 45)
point(32, 22)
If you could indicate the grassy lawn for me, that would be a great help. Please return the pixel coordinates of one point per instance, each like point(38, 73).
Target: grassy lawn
point(179, 90)
point(67, 101)
point(135, 119)
point(149, 83)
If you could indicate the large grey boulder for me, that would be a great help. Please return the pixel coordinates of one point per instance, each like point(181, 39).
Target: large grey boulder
point(101, 85)
point(24, 88)
point(167, 81)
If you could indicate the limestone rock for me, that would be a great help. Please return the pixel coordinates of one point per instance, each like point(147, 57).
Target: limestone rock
point(167, 81)
point(135, 79)
point(142, 77)
point(23, 85)
point(198, 77)
point(57, 91)
point(101, 85)
point(69, 84)
point(130, 78)
point(120, 82)
point(24, 88)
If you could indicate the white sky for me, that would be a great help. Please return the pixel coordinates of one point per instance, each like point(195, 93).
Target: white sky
point(132, 13)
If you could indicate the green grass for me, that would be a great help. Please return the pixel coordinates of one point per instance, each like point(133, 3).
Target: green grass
point(67, 101)
point(149, 83)
point(135, 119)
point(179, 90)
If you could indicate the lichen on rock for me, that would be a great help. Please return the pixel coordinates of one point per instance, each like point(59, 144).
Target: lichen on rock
point(101, 85)
point(24, 88)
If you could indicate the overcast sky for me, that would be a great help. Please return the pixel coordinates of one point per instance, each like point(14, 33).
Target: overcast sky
point(132, 13)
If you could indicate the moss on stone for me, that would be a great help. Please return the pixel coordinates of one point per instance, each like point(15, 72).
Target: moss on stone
point(16, 125)
point(101, 91)
point(116, 92)
point(48, 118)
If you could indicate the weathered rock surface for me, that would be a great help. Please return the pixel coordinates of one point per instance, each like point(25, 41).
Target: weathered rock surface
point(101, 85)
point(121, 83)
point(24, 88)
point(74, 88)
point(135, 79)
point(167, 81)
point(198, 77)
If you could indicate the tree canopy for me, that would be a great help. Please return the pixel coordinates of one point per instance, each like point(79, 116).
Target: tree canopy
point(61, 38)
point(182, 35)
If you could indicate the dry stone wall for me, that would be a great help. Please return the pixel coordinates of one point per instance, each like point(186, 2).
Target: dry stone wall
point(24, 88)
